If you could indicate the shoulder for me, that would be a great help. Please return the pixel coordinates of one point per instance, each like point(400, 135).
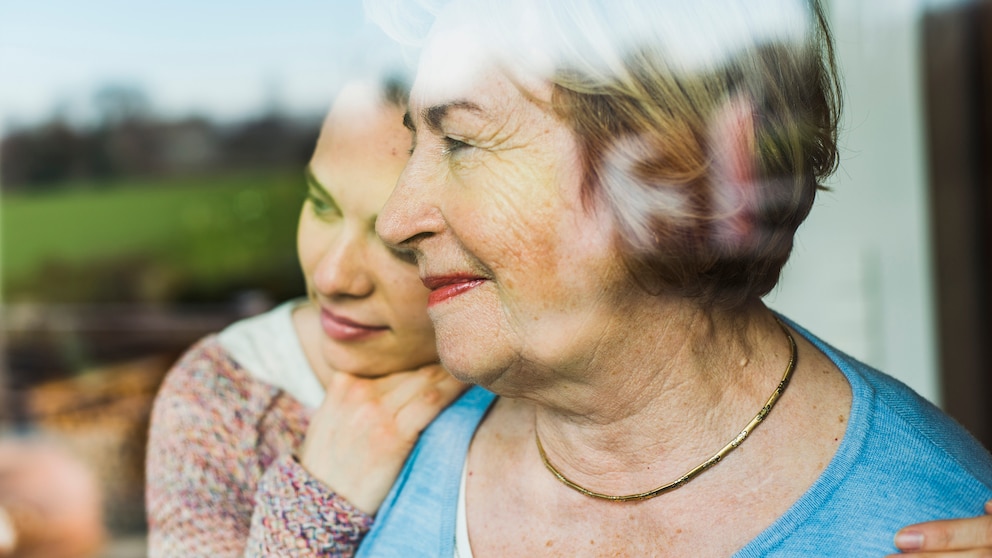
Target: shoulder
point(901, 461)
point(896, 438)
point(208, 378)
point(911, 430)
point(888, 416)
point(209, 399)
point(207, 448)
point(210, 414)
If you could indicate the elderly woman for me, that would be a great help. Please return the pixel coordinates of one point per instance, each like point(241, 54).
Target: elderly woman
point(598, 196)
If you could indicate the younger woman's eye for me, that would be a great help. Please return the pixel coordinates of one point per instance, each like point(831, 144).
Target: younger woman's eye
point(322, 207)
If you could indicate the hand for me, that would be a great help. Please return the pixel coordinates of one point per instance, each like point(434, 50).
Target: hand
point(50, 500)
point(960, 538)
point(366, 427)
point(8, 536)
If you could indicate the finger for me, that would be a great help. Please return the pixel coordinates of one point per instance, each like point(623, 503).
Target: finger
point(400, 391)
point(413, 417)
point(954, 534)
point(975, 553)
point(338, 386)
point(344, 387)
point(8, 536)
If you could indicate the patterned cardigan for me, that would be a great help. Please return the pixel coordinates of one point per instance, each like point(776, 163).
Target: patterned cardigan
point(221, 476)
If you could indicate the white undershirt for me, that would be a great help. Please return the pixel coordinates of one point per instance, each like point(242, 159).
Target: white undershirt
point(462, 547)
point(269, 349)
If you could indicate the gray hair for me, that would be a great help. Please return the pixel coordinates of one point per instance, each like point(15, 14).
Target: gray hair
point(706, 126)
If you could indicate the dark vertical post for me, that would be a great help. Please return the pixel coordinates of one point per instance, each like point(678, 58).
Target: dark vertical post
point(958, 74)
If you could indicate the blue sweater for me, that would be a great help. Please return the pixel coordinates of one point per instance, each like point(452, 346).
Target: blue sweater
point(901, 461)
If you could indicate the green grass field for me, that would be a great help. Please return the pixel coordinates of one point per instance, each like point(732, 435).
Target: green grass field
point(205, 231)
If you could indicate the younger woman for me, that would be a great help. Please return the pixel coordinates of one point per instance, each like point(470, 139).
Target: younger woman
point(282, 434)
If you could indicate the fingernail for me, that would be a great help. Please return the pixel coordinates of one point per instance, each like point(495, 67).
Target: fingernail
point(909, 540)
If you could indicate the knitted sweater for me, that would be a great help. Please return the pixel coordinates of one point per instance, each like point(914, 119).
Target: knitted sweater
point(221, 479)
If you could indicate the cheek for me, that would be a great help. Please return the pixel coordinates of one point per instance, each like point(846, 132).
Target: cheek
point(306, 243)
point(507, 216)
point(408, 302)
point(406, 296)
point(313, 237)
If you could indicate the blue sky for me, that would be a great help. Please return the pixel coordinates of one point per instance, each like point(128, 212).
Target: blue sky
point(223, 58)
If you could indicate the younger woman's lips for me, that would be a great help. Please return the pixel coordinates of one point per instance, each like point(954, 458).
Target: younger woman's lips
point(340, 328)
point(447, 287)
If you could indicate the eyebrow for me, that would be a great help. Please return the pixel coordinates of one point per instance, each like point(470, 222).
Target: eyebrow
point(312, 179)
point(314, 183)
point(434, 115)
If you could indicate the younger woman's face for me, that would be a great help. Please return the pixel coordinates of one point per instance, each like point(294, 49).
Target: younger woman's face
point(372, 305)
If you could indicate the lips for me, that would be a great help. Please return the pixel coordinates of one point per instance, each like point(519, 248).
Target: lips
point(340, 328)
point(445, 287)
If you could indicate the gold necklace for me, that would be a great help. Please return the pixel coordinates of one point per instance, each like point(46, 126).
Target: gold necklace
point(717, 457)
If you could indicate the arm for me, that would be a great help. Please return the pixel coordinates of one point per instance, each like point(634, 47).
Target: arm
point(203, 461)
point(295, 514)
point(356, 444)
point(971, 537)
point(202, 458)
point(214, 429)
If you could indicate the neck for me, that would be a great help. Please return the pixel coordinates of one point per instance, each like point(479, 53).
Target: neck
point(666, 401)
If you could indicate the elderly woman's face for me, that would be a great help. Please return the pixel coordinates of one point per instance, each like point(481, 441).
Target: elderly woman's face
point(520, 271)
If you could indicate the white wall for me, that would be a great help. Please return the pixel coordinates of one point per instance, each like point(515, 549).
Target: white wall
point(860, 274)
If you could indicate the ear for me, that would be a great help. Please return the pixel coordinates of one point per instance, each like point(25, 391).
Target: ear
point(735, 199)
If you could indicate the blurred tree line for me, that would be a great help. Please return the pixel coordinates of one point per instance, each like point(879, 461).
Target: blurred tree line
point(128, 140)
point(123, 240)
point(133, 233)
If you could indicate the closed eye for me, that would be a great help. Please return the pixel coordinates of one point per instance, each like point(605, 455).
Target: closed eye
point(452, 145)
point(321, 202)
point(322, 206)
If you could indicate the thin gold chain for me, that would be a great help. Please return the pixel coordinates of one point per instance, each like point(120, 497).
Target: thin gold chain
point(717, 457)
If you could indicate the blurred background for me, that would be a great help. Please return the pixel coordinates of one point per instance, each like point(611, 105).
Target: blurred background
point(151, 177)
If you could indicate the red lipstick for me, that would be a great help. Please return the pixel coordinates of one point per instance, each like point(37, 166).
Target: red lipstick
point(444, 287)
point(340, 328)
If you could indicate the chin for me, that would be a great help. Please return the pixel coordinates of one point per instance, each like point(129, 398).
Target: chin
point(354, 362)
point(472, 367)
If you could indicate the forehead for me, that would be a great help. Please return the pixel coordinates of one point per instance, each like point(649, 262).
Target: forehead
point(360, 152)
point(359, 117)
point(456, 73)
point(454, 65)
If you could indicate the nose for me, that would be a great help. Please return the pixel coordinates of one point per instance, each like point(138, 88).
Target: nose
point(343, 267)
point(410, 214)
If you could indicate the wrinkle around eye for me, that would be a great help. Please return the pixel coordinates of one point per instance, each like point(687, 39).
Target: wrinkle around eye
point(452, 145)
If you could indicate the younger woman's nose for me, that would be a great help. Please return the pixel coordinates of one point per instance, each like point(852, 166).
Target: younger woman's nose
point(343, 269)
